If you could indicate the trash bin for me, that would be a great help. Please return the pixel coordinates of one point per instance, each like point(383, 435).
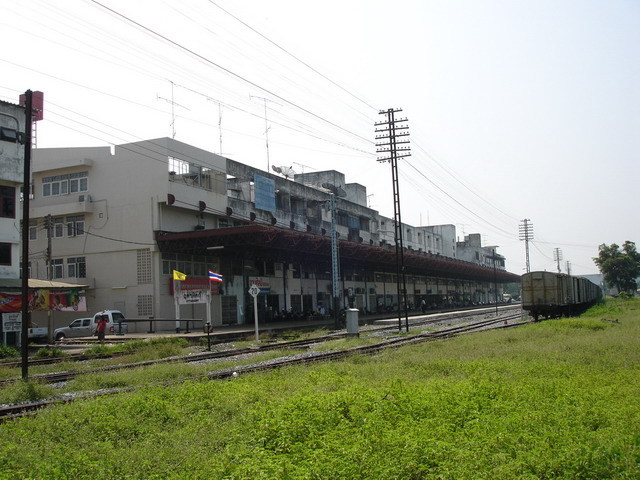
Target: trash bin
point(352, 321)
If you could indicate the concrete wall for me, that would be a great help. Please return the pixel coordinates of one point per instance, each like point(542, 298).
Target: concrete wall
point(126, 202)
point(12, 118)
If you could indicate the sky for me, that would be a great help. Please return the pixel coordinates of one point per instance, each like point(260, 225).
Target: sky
point(516, 109)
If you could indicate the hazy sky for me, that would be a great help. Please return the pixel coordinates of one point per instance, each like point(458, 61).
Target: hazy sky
point(516, 109)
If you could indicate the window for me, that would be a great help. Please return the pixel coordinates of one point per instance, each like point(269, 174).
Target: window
point(58, 227)
point(33, 230)
point(75, 225)
point(57, 268)
point(65, 184)
point(5, 254)
point(76, 267)
point(7, 202)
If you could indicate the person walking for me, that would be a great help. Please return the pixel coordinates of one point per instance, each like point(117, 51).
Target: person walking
point(101, 328)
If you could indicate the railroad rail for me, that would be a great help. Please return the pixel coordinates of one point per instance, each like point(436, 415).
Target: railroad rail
point(202, 356)
point(19, 410)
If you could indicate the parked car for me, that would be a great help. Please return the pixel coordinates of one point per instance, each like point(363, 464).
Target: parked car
point(80, 327)
point(86, 327)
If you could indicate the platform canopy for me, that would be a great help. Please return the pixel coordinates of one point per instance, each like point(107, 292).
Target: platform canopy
point(287, 245)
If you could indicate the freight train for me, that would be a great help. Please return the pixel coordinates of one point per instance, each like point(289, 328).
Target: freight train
point(549, 294)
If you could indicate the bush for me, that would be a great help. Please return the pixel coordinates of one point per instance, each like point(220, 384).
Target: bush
point(8, 352)
point(49, 352)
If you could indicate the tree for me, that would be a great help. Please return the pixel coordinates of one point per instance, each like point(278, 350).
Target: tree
point(619, 267)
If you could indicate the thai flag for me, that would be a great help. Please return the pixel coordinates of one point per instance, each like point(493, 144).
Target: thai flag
point(215, 277)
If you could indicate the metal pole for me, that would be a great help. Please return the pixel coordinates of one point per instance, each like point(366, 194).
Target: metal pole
point(335, 263)
point(26, 188)
point(255, 315)
point(495, 281)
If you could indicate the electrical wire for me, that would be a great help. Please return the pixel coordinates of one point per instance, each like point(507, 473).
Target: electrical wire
point(226, 70)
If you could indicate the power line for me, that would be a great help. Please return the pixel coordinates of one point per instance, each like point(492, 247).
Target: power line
point(226, 70)
point(293, 56)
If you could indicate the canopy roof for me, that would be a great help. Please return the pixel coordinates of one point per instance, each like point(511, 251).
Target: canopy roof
point(287, 245)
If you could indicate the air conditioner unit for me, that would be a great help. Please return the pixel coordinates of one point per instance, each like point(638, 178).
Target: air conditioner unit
point(84, 198)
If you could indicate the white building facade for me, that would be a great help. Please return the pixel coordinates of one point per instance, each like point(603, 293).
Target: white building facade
point(121, 219)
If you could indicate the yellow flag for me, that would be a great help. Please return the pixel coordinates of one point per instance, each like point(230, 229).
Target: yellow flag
point(179, 276)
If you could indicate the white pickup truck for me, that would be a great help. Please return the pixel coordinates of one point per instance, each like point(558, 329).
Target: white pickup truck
point(85, 327)
point(38, 333)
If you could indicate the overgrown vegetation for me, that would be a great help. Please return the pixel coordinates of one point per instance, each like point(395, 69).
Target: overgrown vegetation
point(9, 352)
point(557, 399)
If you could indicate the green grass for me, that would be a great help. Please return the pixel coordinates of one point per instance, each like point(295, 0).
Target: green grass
point(553, 400)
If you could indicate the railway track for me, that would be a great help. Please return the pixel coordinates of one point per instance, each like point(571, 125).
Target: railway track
point(416, 320)
point(67, 375)
point(15, 411)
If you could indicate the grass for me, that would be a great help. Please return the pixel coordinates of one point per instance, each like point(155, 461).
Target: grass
point(552, 400)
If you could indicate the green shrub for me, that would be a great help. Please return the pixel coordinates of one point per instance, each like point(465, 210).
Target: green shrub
point(8, 352)
point(51, 352)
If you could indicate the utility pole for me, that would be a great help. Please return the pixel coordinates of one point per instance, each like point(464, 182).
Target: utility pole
point(557, 256)
point(26, 188)
point(526, 234)
point(48, 225)
point(335, 252)
point(389, 143)
point(568, 267)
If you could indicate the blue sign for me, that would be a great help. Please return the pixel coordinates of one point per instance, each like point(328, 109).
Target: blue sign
point(265, 191)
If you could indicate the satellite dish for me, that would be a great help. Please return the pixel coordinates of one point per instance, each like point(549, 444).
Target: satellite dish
point(286, 172)
point(337, 191)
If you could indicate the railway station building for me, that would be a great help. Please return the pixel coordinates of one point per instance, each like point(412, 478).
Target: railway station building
point(121, 219)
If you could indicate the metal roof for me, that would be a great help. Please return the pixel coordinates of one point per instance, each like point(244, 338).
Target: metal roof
point(37, 283)
point(281, 244)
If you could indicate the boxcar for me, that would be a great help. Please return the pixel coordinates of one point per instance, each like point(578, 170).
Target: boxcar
point(549, 294)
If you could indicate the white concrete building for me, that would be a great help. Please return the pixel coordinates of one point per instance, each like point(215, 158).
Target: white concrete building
point(12, 128)
point(105, 205)
point(121, 219)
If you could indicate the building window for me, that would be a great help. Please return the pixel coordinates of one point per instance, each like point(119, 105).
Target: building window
point(76, 267)
point(7, 202)
point(58, 227)
point(65, 184)
point(57, 268)
point(5, 254)
point(33, 230)
point(75, 225)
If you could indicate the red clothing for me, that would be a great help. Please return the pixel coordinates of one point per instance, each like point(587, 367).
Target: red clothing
point(101, 326)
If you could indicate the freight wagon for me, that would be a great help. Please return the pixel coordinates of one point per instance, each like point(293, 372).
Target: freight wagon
point(548, 294)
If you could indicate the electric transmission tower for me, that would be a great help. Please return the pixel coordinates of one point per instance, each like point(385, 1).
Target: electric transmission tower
point(526, 234)
point(557, 256)
point(392, 143)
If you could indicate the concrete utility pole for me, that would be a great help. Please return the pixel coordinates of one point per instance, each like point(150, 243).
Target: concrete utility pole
point(526, 234)
point(388, 143)
point(557, 256)
point(26, 188)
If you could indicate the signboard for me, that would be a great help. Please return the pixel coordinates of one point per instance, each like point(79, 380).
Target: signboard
point(188, 297)
point(43, 299)
point(265, 192)
point(194, 283)
point(262, 283)
point(254, 291)
point(11, 322)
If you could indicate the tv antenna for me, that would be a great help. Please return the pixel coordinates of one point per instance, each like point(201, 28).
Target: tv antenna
point(173, 111)
point(266, 124)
